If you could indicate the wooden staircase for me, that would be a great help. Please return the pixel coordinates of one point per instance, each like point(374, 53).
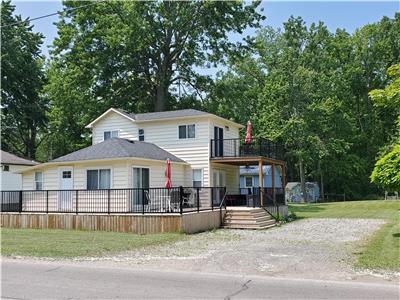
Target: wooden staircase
point(247, 218)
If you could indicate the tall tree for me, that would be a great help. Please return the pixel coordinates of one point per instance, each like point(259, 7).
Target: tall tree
point(23, 106)
point(134, 55)
point(386, 172)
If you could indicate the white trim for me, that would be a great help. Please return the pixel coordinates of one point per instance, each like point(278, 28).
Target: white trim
point(67, 163)
point(201, 176)
point(100, 168)
point(111, 131)
point(187, 131)
point(90, 125)
point(140, 167)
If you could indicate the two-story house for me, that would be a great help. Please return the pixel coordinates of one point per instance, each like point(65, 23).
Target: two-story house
point(129, 151)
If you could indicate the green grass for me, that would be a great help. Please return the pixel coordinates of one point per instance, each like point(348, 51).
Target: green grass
point(69, 243)
point(382, 250)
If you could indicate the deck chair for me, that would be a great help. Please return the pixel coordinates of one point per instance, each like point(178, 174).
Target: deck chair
point(175, 200)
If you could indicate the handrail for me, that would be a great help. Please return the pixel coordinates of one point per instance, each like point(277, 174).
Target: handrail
point(220, 207)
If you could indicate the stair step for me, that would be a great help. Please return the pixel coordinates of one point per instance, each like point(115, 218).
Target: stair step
point(248, 227)
point(259, 219)
point(257, 214)
point(235, 222)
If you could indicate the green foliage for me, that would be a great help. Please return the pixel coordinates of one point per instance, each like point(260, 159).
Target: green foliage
point(23, 105)
point(136, 56)
point(308, 88)
point(387, 170)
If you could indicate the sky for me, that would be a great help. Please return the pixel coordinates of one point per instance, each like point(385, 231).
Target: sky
point(338, 14)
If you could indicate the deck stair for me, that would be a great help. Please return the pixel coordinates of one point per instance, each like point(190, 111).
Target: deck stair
point(247, 218)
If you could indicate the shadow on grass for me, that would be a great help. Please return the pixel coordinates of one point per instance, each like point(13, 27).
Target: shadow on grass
point(397, 235)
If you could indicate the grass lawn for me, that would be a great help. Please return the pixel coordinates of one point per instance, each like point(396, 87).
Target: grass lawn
point(69, 243)
point(382, 250)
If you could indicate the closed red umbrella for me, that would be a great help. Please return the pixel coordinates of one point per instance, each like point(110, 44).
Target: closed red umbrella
point(168, 175)
point(247, 139)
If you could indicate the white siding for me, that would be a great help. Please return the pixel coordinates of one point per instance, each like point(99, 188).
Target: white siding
point(194, 151)
point(121, 174)
point(11, 181)
point(113, 121)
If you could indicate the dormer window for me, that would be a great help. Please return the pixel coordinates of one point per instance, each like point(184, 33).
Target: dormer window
point(187, 131)
point(110, 134)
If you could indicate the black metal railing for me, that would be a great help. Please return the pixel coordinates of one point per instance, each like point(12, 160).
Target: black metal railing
point(114, 201)
point(259, 197)
point(221, 148)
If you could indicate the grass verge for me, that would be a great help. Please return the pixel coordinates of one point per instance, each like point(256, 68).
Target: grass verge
point(69, 243)
point(382, 250)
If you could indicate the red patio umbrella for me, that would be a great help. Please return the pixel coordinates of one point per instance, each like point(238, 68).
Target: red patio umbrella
point(168, 175)
point(247, 139)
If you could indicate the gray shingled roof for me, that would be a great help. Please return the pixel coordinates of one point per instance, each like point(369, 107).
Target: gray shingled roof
point(165, 114)
point(11, 159)
point(119, 148)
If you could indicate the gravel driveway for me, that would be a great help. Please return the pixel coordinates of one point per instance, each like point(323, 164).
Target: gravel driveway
point(310, 248)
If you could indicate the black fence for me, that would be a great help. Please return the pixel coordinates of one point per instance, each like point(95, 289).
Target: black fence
point(250, 197)
point(114, 201)
point(238, 148)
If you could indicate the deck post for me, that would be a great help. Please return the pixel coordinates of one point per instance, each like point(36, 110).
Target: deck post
point(261, 181)
point(273, 183)
point(283, 180)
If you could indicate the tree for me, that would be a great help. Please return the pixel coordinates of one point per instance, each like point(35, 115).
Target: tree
point(308, 88)
point(386, 172)
point(23, 106)
point(134, 55)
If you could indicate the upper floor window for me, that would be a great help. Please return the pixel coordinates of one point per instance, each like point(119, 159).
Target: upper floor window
point(98, 179)
point(110, 134)
point(6, 168)
point(187, 131)
point(38, 181)
point(141, 135)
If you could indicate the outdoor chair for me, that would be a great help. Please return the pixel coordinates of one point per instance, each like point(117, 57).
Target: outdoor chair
point(175, 200)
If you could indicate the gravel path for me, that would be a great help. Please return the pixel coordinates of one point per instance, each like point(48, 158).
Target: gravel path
point(310, 248)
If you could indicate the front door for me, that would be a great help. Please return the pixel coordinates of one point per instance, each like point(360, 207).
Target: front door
point(218, 141)
point(218, 181)
point(140, 184)
point(65, 197)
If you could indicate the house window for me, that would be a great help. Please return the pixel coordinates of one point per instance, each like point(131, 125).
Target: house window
point(110, 134)
point(6, 168)
point(38, 181)
point(98, 179)
point(249, 181)
point(141, 135)
point(66, 174)
point(197, 177)
point(187, 131)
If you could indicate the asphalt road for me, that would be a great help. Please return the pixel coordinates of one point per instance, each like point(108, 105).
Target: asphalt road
point(47, 280)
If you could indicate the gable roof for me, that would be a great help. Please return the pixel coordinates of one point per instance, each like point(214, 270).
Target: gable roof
point(11, 159)
point(162, 115)
point(119, 148)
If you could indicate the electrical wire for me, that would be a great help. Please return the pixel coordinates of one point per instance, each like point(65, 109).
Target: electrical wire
point(49, 15)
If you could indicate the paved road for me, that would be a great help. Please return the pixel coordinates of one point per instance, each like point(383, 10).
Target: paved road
point(39, 280)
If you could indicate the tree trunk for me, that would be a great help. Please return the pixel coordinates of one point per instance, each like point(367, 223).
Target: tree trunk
point(31, 144)
point(161, 97)
point(303, 180)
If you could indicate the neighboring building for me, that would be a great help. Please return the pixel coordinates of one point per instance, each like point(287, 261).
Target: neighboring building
point(10, 164)
point(249, 177)
point(293, 192)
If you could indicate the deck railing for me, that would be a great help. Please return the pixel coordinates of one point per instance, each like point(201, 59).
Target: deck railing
point(229, 148)
point(176, 200)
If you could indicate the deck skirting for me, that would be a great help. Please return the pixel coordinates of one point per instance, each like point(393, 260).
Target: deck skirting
point(139, 224)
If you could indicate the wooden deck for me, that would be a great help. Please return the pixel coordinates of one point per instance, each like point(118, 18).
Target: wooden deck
point(133, 223)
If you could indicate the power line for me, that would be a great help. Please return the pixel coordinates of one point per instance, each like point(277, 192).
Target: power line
point(49, 15)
